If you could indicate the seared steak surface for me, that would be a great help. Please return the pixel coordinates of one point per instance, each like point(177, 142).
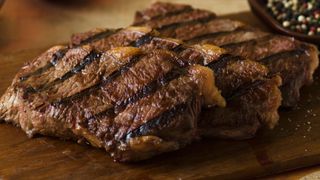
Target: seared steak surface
point(240, 80)
point(293, 60)
point(131, 102)
point(137, 94)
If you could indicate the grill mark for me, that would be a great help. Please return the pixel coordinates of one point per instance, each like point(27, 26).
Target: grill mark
point(179, 48)
point(243, 89)
point(159, 121)
point(84, 92)
point(251, 41)
point(103, 82)
point(99, 36)
point(223, 61)
point(87, 60)
point(147, 38)
point(214, 35)
point(58, 56)
point(150, 88)
point(106, 113)
point(91, 57)
point(53, 62)
point(179, 24)
point(234, 45)
point(137, 43)
point(61, 53)
point(281, 55)
point(166, 15)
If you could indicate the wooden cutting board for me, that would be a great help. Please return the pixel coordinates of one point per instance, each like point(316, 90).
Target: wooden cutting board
point(293, 144)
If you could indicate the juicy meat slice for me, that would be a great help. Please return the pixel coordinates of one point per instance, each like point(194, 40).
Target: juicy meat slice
point(132, 102)
point(202, 31)
point(224, 37)
point(253, 99)
point(88, 36)
point(168, 22)
point(10, 101)
point(159, 10)
point(294, 61)
point(242, 123)
point(240, 39)
point(233, 73)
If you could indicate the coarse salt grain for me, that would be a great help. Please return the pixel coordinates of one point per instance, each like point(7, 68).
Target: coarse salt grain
point(286, 23)
point(310, 33)
point(309, 129)
point(297, 15)
point(301, 18)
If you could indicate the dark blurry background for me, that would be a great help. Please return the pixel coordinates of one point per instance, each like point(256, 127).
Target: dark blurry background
point(30, 24)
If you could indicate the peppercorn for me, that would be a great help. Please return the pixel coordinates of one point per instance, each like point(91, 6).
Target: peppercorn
point(286, 23)
point(298, 15)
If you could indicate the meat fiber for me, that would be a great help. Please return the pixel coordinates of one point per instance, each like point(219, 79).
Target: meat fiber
point(253, 96)
point(293, 60)
point(131, 102)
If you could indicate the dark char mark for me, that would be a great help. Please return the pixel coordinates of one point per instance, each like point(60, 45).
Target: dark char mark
point(243, 89)
point(92, 56)
point(248, 42)
point(285, 54)
point(179, 24)
point(87, 60)
point(161, 121)
point(179, 48)
point(55, 58)
point(150, 88)
point(101, 35)
point(61, 53)
point(146, 39)
point(142, 40)
point(103, 82)
point(214, 35)
point(234, 45)
point(106, 113)
point(166, 15)
point(222, 62)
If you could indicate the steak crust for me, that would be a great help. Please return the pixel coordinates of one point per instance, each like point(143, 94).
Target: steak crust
point(134, 103)
point(234, 74)
point(293, 60)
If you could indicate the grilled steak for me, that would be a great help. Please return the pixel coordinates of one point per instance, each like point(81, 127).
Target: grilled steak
point(133, 103)
point(295, 61)
point(253, 96)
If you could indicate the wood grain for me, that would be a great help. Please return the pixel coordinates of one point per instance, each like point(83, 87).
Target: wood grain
point(29, 27)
